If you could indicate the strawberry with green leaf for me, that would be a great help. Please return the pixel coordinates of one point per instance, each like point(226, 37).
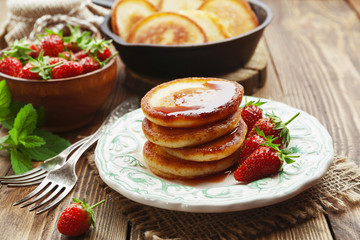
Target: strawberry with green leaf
point(252, 143)
point(20, 49)
point(10, 66)
point(76, 219)
point(265, 161)
point(272, 125)
point(77, 40)
point(52, 44)
point(252, 112)
point(39, 68)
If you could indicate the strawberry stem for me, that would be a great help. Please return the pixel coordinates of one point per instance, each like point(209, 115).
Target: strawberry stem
point(291, 119)
point(97, 204)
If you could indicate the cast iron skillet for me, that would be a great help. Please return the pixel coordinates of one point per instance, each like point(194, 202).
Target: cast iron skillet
point(206, 59)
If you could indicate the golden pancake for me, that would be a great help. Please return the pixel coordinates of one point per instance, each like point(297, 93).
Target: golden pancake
point(125, 14)
point(184, 137)
point(177, 5)
point(236, 15)
point(167, 28)
point(167, 166)
point(192, 102)
point(218, 149)
point(211, 24)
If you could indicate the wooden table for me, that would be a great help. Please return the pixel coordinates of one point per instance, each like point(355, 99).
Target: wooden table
point(314, 65)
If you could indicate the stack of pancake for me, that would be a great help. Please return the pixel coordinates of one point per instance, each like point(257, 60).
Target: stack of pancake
point(193, 126)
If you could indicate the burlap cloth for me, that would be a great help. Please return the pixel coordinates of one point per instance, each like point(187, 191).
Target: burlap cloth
point(338, 190)
point(25, 15)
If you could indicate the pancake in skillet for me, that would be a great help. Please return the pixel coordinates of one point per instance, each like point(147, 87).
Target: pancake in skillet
point(167, 28)
point(212, 25)
point(125, 14)
point(236, 15)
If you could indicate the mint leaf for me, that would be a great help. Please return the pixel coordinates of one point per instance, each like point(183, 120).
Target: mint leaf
point(15, 107)
point(20, 163)
point(24, 123)
point(53, 146)
point(4, 113)
point(32, 141)
point(5, 94)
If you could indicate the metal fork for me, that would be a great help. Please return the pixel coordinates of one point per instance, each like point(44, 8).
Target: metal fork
point(36, 175)
point(61, 181)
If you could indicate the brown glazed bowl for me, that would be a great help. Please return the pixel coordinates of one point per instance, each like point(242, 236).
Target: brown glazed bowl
point(69, 102)
point(207, 59)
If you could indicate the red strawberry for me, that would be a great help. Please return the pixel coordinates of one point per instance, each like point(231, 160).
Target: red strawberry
point(27, 74)
point(52, 45)
point(89, 64)
point(251, 112)
point(68, 56)
point(80, 54)
point(67, 69)
point(77, 218)
point(54, 60)
point(34, 50)
point(10, 66)
point(274, 126)
point(263, 162)
point(103, 55)
point(252, 143)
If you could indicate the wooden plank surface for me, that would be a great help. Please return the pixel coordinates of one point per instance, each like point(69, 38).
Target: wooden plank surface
point(314, 65)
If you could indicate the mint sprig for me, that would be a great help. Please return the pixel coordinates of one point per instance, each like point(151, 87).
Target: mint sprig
point(25, 141)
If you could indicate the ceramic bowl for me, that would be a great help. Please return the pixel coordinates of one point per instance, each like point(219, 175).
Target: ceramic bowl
point(69, 103)
point(192, 60)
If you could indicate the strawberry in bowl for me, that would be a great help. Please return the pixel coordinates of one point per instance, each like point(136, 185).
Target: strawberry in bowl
point(70, 76)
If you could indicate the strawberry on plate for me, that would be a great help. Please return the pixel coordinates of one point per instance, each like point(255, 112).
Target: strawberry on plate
point(272, 125)
point(252, 112)
point(10, 66)
point(252, 143)
point(265, 161)
point(76, 219)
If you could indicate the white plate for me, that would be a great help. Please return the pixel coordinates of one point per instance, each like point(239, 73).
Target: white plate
point(121, 166)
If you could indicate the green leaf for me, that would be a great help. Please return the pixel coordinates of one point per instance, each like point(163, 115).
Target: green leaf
point(24, 123)
point(20, 163)
point(4, 112)
point(5, 94)
point(32, 141)
point(53, 146)
point(15, 107)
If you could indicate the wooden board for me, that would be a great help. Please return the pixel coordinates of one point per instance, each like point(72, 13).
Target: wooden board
point(252, 76)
